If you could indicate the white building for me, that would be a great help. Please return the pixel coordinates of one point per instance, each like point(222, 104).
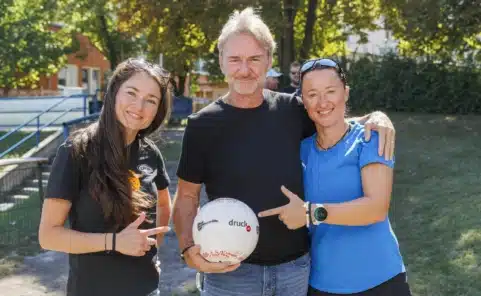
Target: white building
point(379, 41)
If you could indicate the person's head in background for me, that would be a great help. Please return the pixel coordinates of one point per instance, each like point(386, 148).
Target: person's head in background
point(324, 92)
point(272, 80)
point(294, 73)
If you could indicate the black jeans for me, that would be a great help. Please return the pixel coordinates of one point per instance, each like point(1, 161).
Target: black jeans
point(397, 286)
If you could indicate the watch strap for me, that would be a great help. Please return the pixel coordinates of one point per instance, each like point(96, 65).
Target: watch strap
point(307, 206)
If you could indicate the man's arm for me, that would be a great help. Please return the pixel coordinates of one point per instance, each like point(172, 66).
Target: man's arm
point(380, 122)
point(185, 209)
point(186, 204)
point(364, 118)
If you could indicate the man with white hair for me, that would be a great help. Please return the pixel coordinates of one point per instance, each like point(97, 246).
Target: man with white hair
point(246, 145)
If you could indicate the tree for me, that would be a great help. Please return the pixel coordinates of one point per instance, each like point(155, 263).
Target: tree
point(185, 31)
point(437, 29)
point(97, 19)
point(182, 31)
point(30, 46)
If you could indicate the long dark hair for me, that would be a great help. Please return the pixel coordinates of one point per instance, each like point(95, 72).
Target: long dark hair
point(102, 150)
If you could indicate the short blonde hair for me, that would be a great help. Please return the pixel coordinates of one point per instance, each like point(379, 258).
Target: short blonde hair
point(247, 21)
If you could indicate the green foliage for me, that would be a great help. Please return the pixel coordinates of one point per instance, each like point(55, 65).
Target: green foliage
point(98, 20)
point(29, 48)
point(436, 30)
point(335, 21)
point(402, 84)
point(187, 30)
point(439, 29)
point(181, 30)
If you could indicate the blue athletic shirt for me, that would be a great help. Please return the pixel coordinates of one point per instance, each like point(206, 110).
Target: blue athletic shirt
point(347, 259)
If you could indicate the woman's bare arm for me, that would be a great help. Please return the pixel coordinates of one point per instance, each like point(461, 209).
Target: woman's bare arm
point(53, 235)
point(373, 207)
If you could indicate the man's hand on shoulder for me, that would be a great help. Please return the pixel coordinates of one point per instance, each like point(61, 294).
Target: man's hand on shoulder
point(381, 123)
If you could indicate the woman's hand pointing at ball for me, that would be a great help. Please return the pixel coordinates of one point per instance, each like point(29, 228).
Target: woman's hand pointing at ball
point(293, 214)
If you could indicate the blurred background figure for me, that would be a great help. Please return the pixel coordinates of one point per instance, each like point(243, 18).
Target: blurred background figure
point(294, 77)
point(272, 80)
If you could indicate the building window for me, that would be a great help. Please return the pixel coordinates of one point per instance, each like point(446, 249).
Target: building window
point(85, 79)
point(62, 77)
point(95, 79)
point(67, 76)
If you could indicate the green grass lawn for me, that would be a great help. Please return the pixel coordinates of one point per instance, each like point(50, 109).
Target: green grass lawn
point(437, 202)
point(24, 147)
point(435, 206)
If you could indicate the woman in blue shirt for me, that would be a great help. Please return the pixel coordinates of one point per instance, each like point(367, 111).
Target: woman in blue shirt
point(347, 184)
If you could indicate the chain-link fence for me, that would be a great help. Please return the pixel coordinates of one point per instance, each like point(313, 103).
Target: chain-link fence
point(22, 183)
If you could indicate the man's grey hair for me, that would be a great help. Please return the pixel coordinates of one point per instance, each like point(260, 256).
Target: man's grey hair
point(247, 21)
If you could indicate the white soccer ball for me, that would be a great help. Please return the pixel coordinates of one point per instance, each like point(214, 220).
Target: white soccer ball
point(227, 230)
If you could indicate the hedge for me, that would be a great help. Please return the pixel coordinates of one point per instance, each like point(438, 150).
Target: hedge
point(393, 83)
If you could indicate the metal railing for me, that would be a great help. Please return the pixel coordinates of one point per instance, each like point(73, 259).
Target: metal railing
point(36, 118)
point(20, 208)
point(78, 123)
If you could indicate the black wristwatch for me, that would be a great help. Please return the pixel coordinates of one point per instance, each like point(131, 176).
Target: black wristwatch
point(319, 214)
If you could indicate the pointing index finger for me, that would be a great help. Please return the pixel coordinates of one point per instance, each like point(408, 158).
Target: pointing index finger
point(154, 231)
point(271, 212)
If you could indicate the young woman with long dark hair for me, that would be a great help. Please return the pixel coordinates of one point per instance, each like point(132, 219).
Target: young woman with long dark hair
point(110, 181)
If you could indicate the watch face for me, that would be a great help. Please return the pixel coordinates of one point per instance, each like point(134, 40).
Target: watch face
point(320, 214)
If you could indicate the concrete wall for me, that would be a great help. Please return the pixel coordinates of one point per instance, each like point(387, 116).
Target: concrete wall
point(13, 176)
point(27, 108)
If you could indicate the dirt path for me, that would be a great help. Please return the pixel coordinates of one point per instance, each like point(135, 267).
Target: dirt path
point(46, 273)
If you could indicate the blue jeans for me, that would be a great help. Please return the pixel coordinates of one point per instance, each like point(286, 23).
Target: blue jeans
point(287, 279)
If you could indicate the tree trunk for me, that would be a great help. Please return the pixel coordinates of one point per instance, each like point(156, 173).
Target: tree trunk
point(109, 42)
point(288, 47)
point(181, 86)
point(279, 33)
point(308, 30)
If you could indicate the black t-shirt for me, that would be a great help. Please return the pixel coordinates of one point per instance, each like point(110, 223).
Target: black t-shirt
point(248, 154)
point(289, 89)
point(102, 273)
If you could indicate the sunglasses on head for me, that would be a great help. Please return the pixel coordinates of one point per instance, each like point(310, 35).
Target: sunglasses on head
point(317, 64)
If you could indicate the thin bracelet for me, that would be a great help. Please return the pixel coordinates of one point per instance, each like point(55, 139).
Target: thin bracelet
point(186, 249)
point(113, 241)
